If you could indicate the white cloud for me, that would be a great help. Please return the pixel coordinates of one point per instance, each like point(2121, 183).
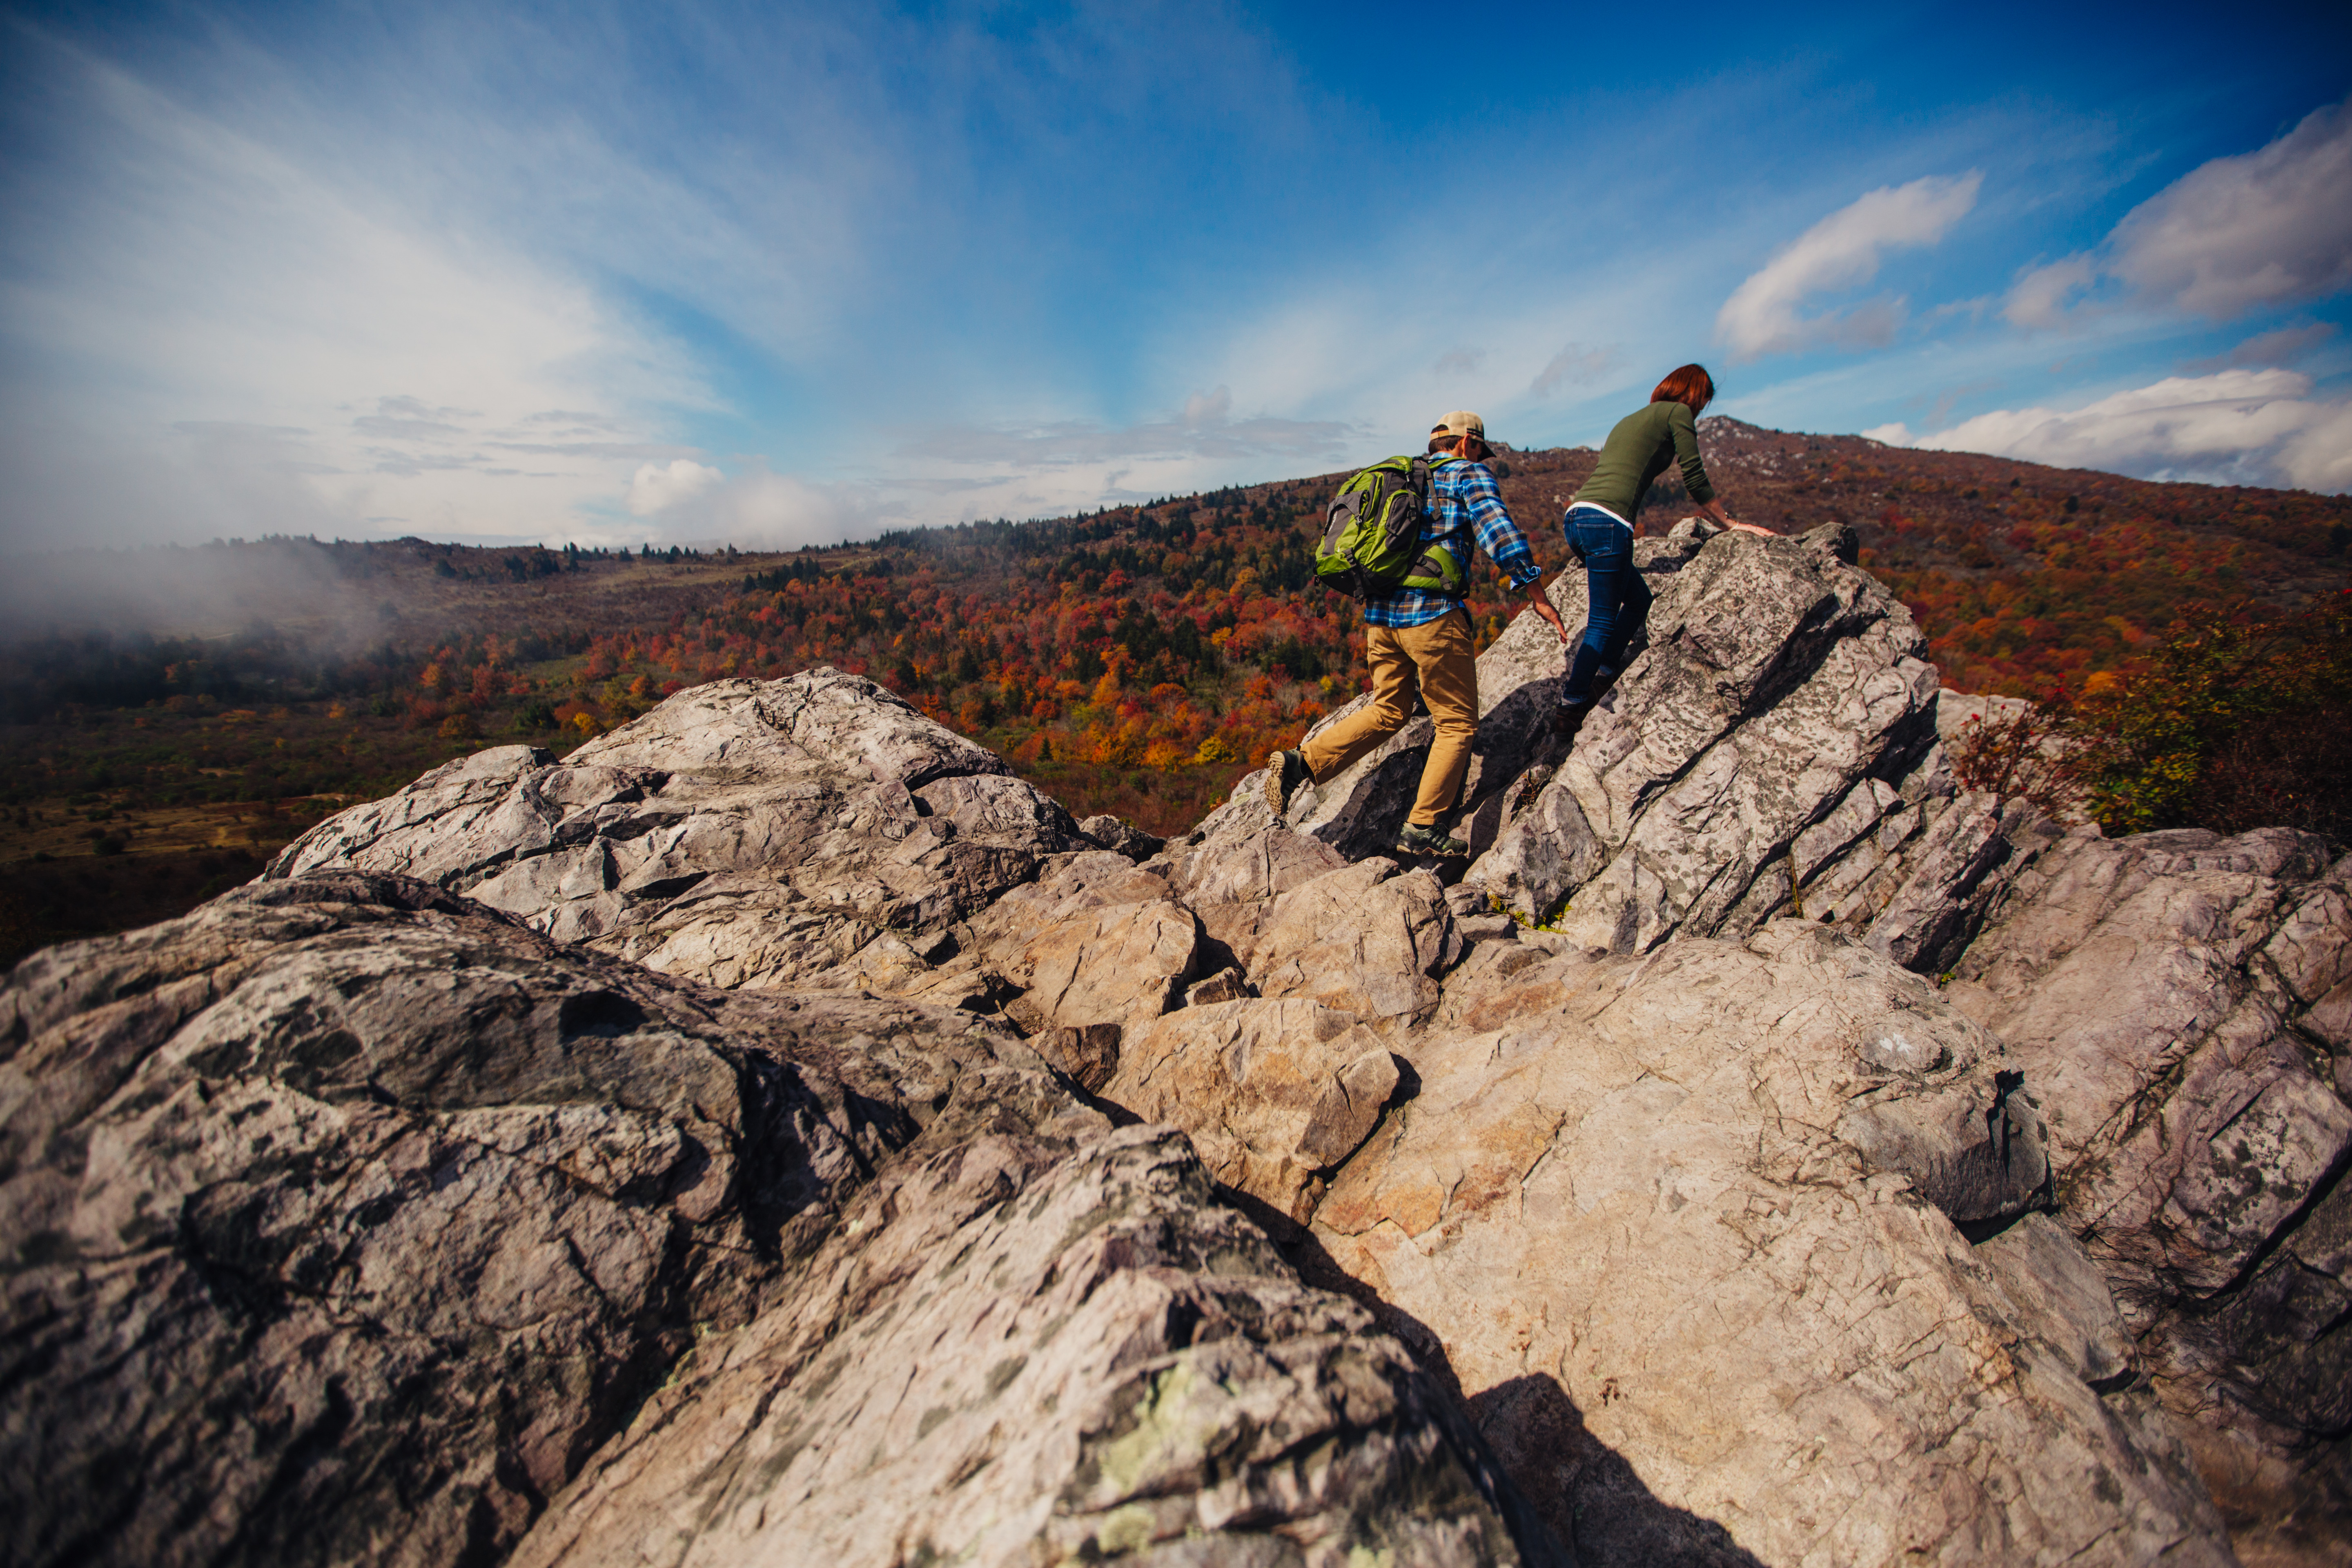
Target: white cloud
point(2282, 347)
point(757, 507)
point(657, 487)
point(1842, 252)
point(2243, 427)
point(1575, 365)
point(258, 343)
point(2040, 296)
point(1895, 434)
point(1203, 408)
point(953, 473)
point(768, 510)
point(2262, 229)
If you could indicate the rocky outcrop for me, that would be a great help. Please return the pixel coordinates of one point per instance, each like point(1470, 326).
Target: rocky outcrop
point(348, 1221)
point(2197, 1129)
point(1692, 1214)
point(809, 831)
point(1762, 1149)
point(1771, 750)
point(2176, 1000)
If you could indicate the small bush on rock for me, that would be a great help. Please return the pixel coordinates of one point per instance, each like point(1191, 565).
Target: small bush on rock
point(2017, 758)
point(2235, 721)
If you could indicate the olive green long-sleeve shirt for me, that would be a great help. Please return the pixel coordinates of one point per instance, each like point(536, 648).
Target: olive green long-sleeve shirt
point(1637, 452)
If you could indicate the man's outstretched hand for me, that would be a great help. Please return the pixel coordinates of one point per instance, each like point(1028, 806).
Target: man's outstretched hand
point(1540, 602)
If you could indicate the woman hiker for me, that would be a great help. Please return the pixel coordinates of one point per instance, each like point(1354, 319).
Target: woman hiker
point(1602, 520)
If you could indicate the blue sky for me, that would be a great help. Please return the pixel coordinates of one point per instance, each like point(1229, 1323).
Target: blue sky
point(779, 274)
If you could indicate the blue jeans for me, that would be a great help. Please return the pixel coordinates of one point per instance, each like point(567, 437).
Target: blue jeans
point(1620, 599)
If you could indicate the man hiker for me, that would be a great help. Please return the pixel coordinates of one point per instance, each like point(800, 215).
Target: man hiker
point(1422, 636)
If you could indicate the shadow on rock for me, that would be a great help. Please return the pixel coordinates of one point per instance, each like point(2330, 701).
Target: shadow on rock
point(1578, 1489)
point(1587, 1490)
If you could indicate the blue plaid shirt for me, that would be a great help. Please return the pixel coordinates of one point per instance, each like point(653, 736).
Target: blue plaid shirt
point(1462, 502)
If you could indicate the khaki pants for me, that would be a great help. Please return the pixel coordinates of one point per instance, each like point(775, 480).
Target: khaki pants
point(1437, 658)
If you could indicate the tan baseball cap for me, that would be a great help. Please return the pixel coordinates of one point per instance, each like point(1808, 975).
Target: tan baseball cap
point(1461, 422)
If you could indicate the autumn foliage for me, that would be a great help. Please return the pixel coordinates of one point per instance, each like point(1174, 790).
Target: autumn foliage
point(1134, 661)
point(2233, 721)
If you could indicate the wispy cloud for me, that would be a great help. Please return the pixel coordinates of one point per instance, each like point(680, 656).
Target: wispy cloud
point(2282, 347)
point(1576, 365)
point(2041, 293)
point(2269, 227)
point(208, 285)
point(2264, 228)
point(1841, 252)
point(1204, 433)
point(2240, 427)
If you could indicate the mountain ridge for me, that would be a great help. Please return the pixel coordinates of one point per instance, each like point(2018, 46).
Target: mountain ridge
point(148, 770)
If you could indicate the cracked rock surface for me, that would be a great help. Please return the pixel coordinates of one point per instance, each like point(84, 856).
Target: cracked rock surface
point(1681, 1227)
point(1772, 746)
point(2174, 999)
point(348, 1221)
point(744, 833)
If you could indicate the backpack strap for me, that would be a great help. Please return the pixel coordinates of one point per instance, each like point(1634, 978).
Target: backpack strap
point(1425, 470)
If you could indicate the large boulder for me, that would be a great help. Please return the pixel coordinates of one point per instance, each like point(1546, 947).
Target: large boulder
point(1682, 1228)
point(2177, 1001)
point(1274, 1092)
point(1770, 748)
point(1084, 1362)
point(744, 833)
point(348, 1221)
point(1364, 938)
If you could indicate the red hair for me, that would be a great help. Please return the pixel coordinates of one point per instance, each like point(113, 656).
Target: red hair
point(1690, 387)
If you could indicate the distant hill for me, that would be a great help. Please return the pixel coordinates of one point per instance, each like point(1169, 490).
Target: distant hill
point(1135, 660)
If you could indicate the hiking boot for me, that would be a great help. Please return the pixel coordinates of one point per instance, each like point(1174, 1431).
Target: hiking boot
point(1418, 840)
point(1568, 718)
point(1285, 772)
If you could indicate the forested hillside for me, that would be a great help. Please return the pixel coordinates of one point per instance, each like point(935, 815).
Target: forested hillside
point(1135, 660)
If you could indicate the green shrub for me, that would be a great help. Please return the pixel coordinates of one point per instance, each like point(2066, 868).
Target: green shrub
point(2234, 721)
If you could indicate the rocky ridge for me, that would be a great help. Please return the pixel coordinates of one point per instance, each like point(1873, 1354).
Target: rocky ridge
point(1698, 1221)
point(351, 1221)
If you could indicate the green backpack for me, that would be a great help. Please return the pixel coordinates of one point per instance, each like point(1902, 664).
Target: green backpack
point(1371, 539)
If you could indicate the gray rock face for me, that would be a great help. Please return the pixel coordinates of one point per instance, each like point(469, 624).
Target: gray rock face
point(1673, 1221)
point(1081, 1362)
point(1847, 1170)
point(1772, 749)
point(743, 833)
point(2167, 996)
point(346, 1221)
